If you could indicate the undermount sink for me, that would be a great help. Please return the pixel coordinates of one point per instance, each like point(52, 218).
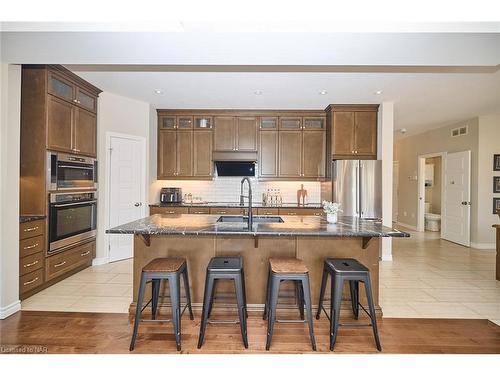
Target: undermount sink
point(244, 219)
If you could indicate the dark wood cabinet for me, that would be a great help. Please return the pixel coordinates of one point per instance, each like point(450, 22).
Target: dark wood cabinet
point(202, 154)
point(290, 153)
point(59, 125)
point(235, 133)
point(268, 154)
point(353, 131)
point(167, 153)
point(313, 154)
point(31, 256)
point(224, 133)
point(85, 132)
point(246, 133)
point(184, 153)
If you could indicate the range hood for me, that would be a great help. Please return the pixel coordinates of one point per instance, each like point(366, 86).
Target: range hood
point(235, 168)
point(234, 156)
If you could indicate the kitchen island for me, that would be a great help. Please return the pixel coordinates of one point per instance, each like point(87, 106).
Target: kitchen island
point(201, 237)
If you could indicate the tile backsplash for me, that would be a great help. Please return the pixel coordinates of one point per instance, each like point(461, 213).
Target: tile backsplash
point(227, 189)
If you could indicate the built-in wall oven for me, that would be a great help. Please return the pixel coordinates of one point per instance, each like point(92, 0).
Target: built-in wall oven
point(72, 219)
point(67, 171)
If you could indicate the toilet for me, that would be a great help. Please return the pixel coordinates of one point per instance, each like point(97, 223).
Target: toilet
point(432, 221)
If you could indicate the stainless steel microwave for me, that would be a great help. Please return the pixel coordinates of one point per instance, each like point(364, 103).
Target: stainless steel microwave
point(67, 171)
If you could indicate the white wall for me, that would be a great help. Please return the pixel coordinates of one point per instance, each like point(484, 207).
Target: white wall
point(10, 128)
point(385, 153)
point(122, 115)
point(489, 137)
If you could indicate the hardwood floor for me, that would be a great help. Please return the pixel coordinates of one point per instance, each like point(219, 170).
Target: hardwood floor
point(67, 332)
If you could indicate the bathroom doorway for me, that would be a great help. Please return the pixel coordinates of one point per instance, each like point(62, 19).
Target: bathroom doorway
point(430, 192)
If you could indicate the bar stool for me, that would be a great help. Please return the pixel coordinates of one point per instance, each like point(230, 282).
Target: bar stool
point(229, 268)
point(341, 270)
point(291, 269)
point(155, 271)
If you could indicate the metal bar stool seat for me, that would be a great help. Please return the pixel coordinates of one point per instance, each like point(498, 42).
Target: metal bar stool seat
point(341, 270)
point(228, 268)
point(288, 269)
point(154, 272)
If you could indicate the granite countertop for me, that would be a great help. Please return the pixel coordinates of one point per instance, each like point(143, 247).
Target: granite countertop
point(234, 204)
point(189, 224)
point(28, 218)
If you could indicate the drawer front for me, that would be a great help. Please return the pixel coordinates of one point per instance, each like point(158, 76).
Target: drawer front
point(68, 260)
point(199, 210)
point(168, 210)
point(267, 211)
point(31, 263)
point(301, 211)
point(31, 229)
point(31, 246)
point(227, 211)
point(30, 281)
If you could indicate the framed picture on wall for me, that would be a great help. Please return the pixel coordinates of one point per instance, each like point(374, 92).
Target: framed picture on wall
point(496, 162)
point(496, 184)
point(496, 205)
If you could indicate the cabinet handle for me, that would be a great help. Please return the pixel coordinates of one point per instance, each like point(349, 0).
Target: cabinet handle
point(170, 212)
point(31, 281)
point(222, 212)
point(31, 229)
point(317, 214)
point(30, 246)
point(198, 212)
point(85, 253)
point(60, 264)
point(30, 264)
point(75, 101)
point(292, 213)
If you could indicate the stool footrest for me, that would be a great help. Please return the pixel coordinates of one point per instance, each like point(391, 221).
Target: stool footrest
point(210, 321)
point(156, 320)
point(291, 321)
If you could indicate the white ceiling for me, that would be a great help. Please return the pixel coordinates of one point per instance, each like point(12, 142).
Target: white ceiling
point(434, 78)
point(422, 100)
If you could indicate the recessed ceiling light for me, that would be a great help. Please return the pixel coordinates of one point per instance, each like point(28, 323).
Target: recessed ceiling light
point(323, 92)
point(378, 92)
point(258, 92)
point(158, 91)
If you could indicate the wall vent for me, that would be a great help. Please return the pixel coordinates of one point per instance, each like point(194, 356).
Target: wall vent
point(457, 132)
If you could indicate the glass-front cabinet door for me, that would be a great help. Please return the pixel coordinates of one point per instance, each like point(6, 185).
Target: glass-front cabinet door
point(184, 122)
point(290, 123)
point(86, 100)
point(167, 122)
point(314, 123)
point(203, 122)
point(61, 87)
point(268, 123)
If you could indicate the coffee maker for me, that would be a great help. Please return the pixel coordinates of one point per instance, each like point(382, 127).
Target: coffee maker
point(170, 195)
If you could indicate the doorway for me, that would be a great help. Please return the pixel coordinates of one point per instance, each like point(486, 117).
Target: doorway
point(126, 190)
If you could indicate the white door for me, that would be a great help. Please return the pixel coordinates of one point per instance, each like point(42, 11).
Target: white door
point(455, 218)
point(125, 192)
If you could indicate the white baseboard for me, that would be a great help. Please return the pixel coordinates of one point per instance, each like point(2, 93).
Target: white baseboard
point(99, 261)
point(483, 245)
point(10, 309)
point(404, 225)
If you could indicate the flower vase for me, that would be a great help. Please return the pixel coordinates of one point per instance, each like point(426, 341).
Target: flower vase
point(331, 218)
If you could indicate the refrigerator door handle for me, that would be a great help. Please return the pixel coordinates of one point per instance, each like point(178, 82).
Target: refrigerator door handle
point(360, 186)
point(356, 172)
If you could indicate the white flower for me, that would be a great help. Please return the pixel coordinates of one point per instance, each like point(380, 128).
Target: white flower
point(331, 207)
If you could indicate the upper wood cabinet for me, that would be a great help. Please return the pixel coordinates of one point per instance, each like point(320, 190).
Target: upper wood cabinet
point(85, 132)
point(185, 144)
point(224, 133)
point(71, 91)
point(353, 131)
point(246, 133)
point(202, 154)
point(290, 153)
point(268, 153)
point(268, 123)
point(235, 133)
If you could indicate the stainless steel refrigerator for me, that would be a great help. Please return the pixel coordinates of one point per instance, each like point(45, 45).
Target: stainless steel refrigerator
point(357, 185)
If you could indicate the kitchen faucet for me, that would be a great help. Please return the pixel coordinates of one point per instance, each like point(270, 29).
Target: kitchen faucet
point(242, 201)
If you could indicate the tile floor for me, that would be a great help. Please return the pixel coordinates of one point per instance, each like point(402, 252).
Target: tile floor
point(106, 288)
point(428, 278)
point(433, 278)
